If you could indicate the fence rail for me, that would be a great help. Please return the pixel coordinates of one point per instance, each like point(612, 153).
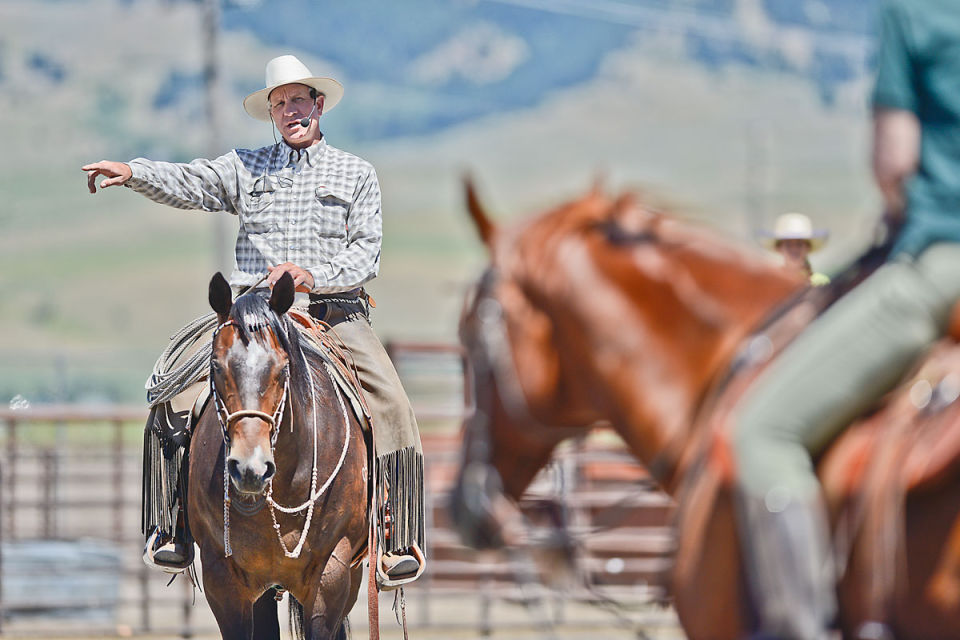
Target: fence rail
point(70, 485)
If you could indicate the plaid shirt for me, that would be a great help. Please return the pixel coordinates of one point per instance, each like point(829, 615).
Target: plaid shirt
point(318, 208)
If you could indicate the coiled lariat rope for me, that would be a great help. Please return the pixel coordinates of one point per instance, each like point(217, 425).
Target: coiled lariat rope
point(164, 383)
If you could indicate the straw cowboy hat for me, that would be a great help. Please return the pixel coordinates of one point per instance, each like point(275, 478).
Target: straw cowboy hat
point(286, 70)
point(794, 226)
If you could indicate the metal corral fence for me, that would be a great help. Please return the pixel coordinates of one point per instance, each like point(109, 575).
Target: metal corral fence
point(70, 546)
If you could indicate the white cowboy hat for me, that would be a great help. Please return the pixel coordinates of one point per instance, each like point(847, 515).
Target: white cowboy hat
point(288, 70)
point(794, 226)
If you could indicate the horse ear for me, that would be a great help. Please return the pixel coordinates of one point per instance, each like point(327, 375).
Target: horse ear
point(219, 295)
point(282, 296)
point(478, 214)
point(599, 182)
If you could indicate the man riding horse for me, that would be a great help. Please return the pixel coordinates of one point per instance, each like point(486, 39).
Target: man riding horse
point(862, 346)
point(311, 210)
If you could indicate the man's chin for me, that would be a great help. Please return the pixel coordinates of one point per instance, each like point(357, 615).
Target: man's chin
point(297, 138)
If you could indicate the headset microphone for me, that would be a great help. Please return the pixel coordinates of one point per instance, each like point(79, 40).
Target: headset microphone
point(306, 121)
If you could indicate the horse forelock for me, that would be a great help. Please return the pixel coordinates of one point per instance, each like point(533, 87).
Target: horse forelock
point(256, 321)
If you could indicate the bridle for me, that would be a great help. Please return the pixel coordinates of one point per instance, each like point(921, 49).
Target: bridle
point(226, 418)
point(491, 358)
point(490, 353)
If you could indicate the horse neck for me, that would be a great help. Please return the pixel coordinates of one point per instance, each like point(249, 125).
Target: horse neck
point(312, 423)
point(651, 331)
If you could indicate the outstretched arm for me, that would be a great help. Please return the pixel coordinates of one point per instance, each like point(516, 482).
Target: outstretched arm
point(117, 174)
point(210, 185)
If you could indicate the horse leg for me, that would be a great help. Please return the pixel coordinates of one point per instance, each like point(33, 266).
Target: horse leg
point(331, 597)
point(707, 581)
point(266, 624)
point(229, 599)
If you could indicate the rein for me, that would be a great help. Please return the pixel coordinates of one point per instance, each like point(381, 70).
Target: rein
point(493, 350)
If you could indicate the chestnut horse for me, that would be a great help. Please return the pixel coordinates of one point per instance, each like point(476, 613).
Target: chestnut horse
point(601, 310)
point(278, 456)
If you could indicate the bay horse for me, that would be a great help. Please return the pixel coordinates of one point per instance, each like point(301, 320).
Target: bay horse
point(277, 485)
point(602, 310)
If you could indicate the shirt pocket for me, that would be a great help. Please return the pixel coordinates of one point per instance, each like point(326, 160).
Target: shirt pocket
point(329, 215)
point(258, 215)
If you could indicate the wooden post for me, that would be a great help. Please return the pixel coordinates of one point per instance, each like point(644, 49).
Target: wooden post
point(3, 611)
point(49, 462)
point(118, 480)
point(12, 476)
point(144, 598)
point(187, 631)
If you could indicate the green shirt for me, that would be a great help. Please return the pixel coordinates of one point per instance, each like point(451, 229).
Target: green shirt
point(919, 71)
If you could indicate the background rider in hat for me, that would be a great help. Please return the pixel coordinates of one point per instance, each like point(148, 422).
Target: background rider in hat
point(311, 210)
point(793, 238)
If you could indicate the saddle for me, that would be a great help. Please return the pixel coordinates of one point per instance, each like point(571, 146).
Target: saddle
point(173, 419)
point(909, 442)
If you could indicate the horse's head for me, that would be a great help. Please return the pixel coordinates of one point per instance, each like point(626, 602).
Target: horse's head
point(249, 377)
point(526, 402)
point(600, 309)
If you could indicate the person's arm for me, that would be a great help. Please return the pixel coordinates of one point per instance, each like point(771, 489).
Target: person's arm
point(896, 139)
point(359, 262)
point(210, 185)
point(896, 156)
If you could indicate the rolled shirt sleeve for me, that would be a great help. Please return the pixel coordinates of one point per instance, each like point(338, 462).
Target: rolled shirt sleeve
point(896, 86)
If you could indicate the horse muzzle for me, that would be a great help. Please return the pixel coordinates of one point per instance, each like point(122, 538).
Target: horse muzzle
point(250, 474)
point(476, 506)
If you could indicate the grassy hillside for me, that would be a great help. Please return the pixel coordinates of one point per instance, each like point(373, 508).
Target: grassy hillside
point(91, 286)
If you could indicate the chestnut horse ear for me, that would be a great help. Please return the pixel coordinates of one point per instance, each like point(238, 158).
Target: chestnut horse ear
point(478, 215)
point(282, 296)
point(219, 295)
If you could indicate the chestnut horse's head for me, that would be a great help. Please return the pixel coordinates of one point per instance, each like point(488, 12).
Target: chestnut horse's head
point(599, 310)
point(526, 403)
point(249, 378)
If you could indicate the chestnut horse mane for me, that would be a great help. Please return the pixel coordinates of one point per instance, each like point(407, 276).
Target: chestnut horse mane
point(536, 252)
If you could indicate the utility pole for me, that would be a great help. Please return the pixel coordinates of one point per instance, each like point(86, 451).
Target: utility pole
point(213, 95)
point(758, 174)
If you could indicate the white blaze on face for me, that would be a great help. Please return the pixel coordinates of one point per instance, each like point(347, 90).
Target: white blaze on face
point(252, 362)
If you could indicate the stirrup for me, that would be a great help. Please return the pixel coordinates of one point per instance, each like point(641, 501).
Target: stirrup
point(388, 583)
point(155, 545)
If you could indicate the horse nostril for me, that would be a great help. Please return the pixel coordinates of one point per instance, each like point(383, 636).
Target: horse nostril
point(233, 468)
point(271, 469)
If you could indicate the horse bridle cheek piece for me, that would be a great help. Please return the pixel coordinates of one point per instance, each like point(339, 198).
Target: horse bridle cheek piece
point(490, 354)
